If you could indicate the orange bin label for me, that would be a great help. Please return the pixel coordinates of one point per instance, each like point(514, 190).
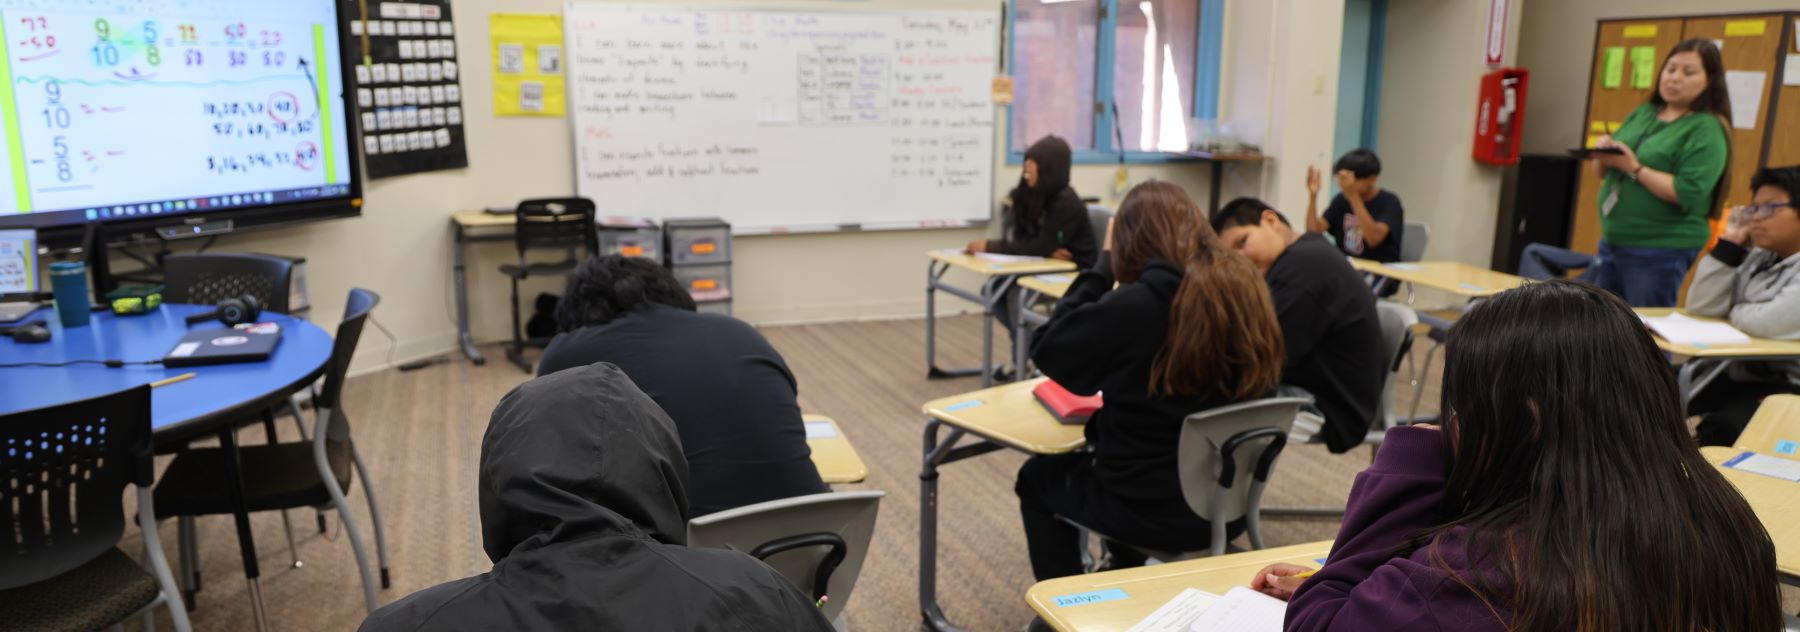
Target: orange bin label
point(704, 248)
point(706, 284)
point(632, 251)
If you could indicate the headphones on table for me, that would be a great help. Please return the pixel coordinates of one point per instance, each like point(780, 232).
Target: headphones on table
point(231, 312)
point(34, 331)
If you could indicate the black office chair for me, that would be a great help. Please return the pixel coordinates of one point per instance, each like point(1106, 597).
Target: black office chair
point(206, 279)
point(279, 476)
point(62, 472)
point(565, 224)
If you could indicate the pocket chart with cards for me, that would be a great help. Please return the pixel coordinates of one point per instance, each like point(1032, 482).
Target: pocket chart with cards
point(408, 93)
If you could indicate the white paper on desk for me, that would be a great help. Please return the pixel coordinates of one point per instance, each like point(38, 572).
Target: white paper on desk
point(820, 430)
point(1682, 330)
point(1745, 108)
point(999, 258)
point(1178, 614)
point(1766, 465)
point(1242, 610)
point(1056, 278)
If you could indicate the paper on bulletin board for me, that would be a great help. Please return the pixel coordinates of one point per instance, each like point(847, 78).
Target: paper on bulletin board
point(1744, 109)
point(1640, 31)
point(1790, 73)
point(1612, 72)
point(1643, 67)
point(528, 64)
point(1746, 28)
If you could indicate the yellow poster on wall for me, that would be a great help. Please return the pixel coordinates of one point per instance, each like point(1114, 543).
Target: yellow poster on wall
point(527, 49)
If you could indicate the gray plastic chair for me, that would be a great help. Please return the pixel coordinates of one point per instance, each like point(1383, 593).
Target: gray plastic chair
point(1224, 459)
point(1098, 216)
point(62, 469)
point(817, 541)
point(1414, 236)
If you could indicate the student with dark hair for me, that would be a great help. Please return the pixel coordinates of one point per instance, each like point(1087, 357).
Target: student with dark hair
point(1045, 217)
point(1364, 219)
point(730, 393)
point(1328, 322)
point(1752, 278)
point(1189, 328)
point(1563, 493)
point(1667, 179)
point(584, 512)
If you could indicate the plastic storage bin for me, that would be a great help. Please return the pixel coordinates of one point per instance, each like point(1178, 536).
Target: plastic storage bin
point(697, 240)
point(631, 238)
point(709, 282)
point(714, 307)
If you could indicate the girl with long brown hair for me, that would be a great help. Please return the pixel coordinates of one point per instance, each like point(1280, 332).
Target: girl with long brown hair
point(1190, 327)
point(1563, 493)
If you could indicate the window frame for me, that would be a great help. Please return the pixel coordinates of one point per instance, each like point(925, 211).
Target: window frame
point(1207, 52)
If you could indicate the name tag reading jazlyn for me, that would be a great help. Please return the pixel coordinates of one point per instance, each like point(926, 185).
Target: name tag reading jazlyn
point(1082, 599)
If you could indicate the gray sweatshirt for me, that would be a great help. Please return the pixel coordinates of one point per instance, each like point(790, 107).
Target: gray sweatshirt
point(1759, 293)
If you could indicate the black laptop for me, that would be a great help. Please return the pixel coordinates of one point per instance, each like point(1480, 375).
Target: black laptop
point(247, 343)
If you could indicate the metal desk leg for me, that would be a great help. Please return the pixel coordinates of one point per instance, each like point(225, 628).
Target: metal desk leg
point(1021, 345)
point(462, 298)
point(933, 271)
point(1690, 385)
point(234, 485)
point(1218, 183)
point(928, 480)
point(993, 294)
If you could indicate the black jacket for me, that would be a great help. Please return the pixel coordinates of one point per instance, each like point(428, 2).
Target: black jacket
point(729, 392)
point(1050, 215)
point(583, 496)
point(1101, 339)
point(1333, 336)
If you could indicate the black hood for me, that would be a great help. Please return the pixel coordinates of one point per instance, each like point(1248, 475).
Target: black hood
point(580, 453)
point(1053, 159)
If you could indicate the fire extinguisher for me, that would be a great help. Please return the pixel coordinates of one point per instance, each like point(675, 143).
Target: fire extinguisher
point(1500, 117)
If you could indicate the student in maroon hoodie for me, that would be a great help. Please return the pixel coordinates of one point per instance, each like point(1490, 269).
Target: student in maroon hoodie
point(1564, 493)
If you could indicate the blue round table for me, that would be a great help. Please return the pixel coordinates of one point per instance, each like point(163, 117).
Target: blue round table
point(217, 398)
point(179, 412)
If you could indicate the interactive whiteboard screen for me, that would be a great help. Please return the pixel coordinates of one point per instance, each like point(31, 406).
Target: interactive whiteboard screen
point(130, 109)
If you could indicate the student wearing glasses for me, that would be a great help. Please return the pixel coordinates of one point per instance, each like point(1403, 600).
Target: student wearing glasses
point(1752, 277)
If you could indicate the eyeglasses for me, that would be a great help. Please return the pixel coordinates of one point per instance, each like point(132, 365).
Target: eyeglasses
point(1760, 211)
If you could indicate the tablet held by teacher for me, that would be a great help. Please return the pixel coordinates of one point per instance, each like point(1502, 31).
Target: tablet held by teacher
point(1663, 173)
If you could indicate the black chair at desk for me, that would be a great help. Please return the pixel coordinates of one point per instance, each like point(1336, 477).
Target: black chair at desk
point(565, 224)
point(206, 279)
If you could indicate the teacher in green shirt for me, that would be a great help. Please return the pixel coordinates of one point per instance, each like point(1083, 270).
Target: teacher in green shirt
point(1666, 180)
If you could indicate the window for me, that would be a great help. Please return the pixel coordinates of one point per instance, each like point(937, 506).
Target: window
point(1116, 78)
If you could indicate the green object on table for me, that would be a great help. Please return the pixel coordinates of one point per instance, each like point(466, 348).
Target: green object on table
point(134, 300)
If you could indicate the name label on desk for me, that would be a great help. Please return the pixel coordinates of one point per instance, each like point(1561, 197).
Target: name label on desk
point(1786, 447)
point(963, 405)
point(1408, 267)
point(1082, 599)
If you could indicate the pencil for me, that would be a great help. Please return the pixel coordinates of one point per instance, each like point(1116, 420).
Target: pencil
point(171, 380)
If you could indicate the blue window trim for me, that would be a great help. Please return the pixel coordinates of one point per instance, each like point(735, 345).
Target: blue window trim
point(1371, 128)
point(1208, 52)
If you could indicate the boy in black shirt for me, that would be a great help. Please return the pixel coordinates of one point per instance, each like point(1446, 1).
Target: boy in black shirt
point(1365, 220)
point(1327, 315)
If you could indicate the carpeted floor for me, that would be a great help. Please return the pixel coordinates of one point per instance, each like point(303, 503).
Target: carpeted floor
point(421, 432)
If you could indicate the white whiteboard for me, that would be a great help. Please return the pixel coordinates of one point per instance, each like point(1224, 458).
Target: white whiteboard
point(784, 120)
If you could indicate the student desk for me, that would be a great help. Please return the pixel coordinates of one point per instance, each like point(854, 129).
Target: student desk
point(1775, 501)
point(998, 277)
point(1007, 416)
point(835, 458)
point(473, 226)
point(1149, 587)
point(1030, 289)
point(1706, 362)
point(1457, 278)
point(1454, 277)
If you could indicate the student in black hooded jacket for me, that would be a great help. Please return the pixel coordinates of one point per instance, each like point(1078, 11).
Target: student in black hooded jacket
point(583, 497)
point(1190, 327)
point(1044, 217)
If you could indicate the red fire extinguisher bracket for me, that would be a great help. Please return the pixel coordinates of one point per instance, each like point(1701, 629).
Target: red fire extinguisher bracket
point(1500, 116)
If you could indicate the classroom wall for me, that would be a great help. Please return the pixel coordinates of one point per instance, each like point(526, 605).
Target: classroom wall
point(1430, 80)
point(1557, 45)
point(401, 247)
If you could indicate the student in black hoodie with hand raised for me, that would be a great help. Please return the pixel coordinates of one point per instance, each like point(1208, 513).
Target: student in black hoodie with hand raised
point(1191, 327)
point(1044, 217)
